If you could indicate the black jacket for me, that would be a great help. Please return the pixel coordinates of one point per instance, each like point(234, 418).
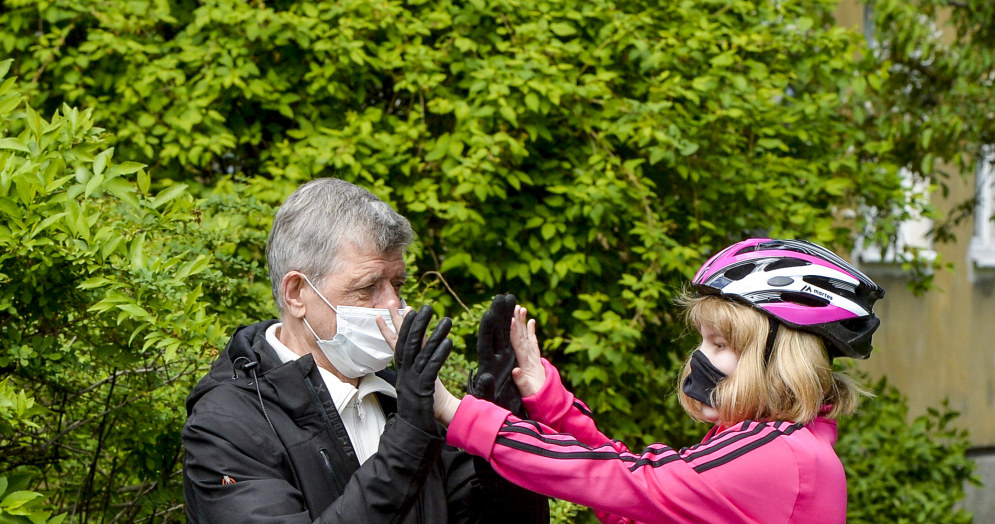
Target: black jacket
point(302, 468)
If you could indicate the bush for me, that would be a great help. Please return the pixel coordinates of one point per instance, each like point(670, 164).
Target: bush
point(111, 299)
point(585, 156)
point(902, 471)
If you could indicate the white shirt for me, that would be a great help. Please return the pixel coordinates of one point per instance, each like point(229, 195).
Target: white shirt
point(358, 407)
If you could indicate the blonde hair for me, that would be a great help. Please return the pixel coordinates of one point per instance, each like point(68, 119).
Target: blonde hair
point(797, 384)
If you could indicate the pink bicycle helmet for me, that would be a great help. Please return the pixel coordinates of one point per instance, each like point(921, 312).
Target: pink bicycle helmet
point(801, 284)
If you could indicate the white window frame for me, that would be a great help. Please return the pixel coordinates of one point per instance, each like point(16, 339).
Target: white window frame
point(912, 235)
point(981, 251)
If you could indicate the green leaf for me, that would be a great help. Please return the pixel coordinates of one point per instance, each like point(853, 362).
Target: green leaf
point(9, 103)
point(110, 246)
point(136, 251)
point(455, 260)
point(13, 502)
point(48, 221)
point(143, 181)
point(838, 186)
point(125, 168)
point(13, 143)
point(135, 311)
point(532, 102)
point(724, 60)
point(94, 282)
point(771, 143)
point(547, 231)
point(167, 195)
point(509, 114)
point(193, 267)
point(689, 148)
point(562, 29)
point(34, 122)
point(704, 83)
point(100, 162)
point(93, 184)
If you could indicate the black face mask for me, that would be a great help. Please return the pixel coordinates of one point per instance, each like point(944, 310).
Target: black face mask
point(703, 378)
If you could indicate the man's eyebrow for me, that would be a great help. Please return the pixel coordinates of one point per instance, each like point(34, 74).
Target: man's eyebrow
point(372, 278)
point(366, 280)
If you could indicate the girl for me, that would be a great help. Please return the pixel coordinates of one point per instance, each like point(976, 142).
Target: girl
point(772, 315)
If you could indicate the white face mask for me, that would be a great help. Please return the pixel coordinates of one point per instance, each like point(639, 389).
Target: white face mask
point(358, 348)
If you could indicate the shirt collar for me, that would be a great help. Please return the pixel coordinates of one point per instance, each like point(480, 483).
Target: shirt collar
point(342, 393)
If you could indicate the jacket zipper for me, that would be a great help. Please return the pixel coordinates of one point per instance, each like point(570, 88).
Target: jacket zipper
point(331, 469)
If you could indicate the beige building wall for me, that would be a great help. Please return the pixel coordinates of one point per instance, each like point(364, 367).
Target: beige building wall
point(941, 345)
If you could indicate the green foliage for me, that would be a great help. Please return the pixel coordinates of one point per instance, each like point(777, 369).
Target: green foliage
point(920, 104)
point(584, 156)
point(563, 511)
point(18, 505)
point(17, 502)
point(908, 472)
point(108, 303)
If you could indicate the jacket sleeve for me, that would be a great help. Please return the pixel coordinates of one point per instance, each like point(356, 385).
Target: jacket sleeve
point(557, 408)
point(237, 472)
point(387, 485)
point(658, 485)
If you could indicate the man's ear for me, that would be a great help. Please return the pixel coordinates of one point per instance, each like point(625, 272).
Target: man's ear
point(292, 288)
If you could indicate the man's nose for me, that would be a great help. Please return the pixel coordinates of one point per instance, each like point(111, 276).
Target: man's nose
point(387, 297)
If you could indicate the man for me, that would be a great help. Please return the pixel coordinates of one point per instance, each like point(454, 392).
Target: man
point(299, 419)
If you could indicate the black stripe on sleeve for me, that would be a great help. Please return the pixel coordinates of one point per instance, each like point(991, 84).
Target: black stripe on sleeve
point(529, 432)
point(590, 454)
point(656, 449)
point(655, 463)
point(701, 468)
point(583, 409)
point(740, 435)
point(744, 432)
point(534, 424)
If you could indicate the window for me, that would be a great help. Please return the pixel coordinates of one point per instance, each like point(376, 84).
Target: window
point(912, 237)
point(981, 252)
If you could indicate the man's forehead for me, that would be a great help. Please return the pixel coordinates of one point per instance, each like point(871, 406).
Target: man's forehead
point(374, 269)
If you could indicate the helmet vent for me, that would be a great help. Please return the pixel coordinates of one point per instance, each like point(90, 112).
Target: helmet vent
point(804, 299)
point(747, 249)
point(856, 325)
point(786, 263)
point(738, 272)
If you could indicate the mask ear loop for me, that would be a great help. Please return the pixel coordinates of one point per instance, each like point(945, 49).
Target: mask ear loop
point(771, 337)
point(308, 325)
point(322, 297)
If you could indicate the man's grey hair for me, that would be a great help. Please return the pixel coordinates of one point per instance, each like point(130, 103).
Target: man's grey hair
point(315, 222)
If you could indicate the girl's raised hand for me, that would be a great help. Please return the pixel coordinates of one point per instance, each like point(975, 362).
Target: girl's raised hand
point(529, 376)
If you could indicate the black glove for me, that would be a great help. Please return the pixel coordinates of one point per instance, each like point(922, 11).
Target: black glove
point(418, 366)
point(496, 358)
point(505, 502)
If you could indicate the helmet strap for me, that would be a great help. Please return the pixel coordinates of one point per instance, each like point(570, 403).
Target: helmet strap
point(771, 337)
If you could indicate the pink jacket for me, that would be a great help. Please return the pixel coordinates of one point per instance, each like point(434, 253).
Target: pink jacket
point(768, 472)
